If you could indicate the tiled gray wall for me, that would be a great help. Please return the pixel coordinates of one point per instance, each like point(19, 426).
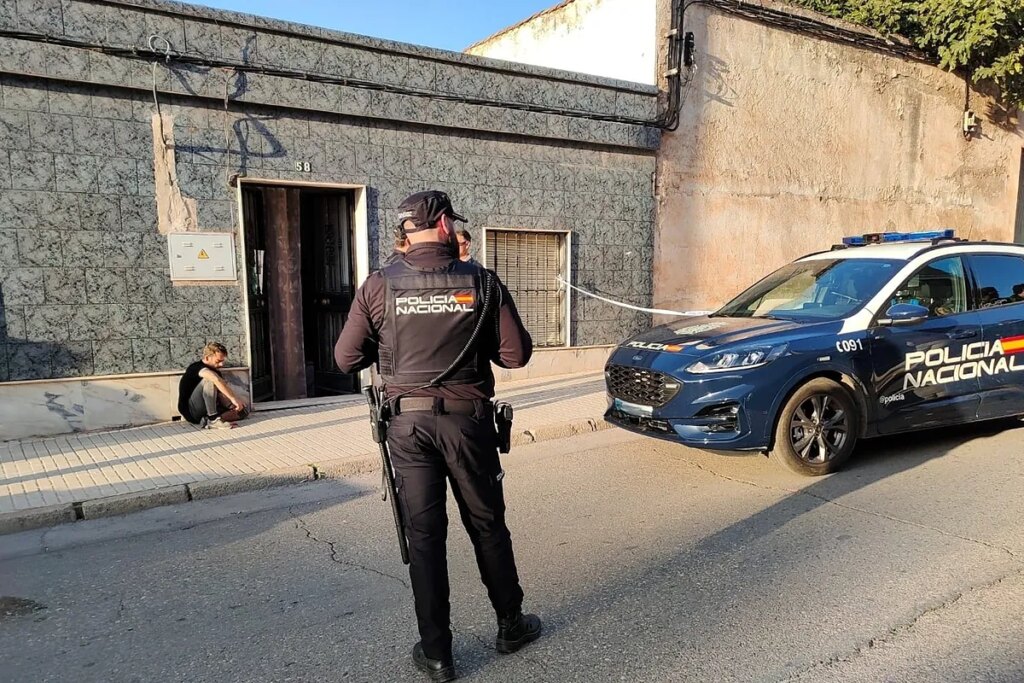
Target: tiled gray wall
point(382, 80)
point(84, 280)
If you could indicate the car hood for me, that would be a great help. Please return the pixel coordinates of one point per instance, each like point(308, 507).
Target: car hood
point(698, 335)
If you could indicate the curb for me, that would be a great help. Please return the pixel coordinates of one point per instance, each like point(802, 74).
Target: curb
point(339, 468)
point(559, 431)
point(256, 481)
point(34, 518)
point(132, 502)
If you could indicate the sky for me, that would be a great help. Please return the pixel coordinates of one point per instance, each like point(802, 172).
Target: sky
point(446, 24)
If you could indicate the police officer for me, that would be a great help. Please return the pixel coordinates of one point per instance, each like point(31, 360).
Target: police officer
point(414, 318)
point(465, 241)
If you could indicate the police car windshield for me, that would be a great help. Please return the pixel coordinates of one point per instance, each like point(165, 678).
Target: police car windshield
point(820, 289)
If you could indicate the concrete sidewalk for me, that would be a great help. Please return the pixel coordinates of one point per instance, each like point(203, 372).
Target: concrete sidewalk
point(83, 476)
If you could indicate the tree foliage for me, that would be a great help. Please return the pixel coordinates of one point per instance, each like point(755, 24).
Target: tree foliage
point(983, 38)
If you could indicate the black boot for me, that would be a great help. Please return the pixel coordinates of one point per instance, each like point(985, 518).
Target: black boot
point(439, 670)
point(516, 631)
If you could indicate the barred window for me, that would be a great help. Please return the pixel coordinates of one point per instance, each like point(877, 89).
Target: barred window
point(530, 262)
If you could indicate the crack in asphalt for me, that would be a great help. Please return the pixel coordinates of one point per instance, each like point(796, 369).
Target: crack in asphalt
point(908, 522)
point(301, 524)
point(489, 645)
point(899, 520)
point(474, 636)
point(234, 516)
point(895, 632)
point(42, 540)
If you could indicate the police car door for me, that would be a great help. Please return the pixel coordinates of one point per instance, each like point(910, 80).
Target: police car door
point(922, 375)
point(999, 282)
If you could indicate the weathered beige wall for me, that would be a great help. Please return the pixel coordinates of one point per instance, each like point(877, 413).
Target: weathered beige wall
point(786, 143)
point(610, 38)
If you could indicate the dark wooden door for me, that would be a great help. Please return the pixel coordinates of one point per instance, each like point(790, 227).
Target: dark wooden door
point(287, 322)
point(328, 287)
point(254, 222)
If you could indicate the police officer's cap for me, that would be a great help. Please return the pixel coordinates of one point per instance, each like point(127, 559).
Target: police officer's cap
point(425, 208)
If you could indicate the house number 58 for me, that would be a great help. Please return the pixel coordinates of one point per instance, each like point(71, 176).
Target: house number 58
point(302, 166)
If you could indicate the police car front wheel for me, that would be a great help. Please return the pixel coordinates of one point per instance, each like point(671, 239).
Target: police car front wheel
point(817, 429)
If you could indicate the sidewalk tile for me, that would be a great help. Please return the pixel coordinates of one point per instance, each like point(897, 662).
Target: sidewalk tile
point(79, 467)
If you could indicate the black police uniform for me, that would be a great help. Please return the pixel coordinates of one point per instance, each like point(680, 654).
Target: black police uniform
point(395, 255)
point(413, 318)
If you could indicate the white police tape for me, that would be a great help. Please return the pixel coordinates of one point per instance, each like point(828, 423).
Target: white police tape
point(655, 311)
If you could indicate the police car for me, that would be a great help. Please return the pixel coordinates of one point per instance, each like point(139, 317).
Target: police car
point(885, 333)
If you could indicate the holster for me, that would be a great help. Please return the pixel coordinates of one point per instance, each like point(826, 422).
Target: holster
point(379, 423)
point(503, 423)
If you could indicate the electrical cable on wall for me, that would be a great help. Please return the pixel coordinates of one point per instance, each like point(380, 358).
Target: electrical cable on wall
point(789, 21)
point(228, 73)
point(156, 101)
point(243, 67)
point(667, 120)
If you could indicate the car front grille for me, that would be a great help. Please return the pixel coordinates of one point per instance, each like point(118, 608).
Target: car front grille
point(640, 385)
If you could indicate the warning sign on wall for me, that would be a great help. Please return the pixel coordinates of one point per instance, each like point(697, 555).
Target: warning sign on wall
point(202, 255)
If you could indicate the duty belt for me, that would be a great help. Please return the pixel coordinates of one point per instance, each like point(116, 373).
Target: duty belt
point(440, 406)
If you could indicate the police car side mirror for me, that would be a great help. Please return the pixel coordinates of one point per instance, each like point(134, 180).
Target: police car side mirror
point(904, 314)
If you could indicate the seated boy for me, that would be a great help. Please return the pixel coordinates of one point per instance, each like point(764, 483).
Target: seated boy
point(204, 398)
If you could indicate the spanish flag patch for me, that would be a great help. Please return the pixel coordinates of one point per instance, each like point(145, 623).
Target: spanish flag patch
point(1012, 344)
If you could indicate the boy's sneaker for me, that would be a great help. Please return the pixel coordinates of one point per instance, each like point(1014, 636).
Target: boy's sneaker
point(217, 423)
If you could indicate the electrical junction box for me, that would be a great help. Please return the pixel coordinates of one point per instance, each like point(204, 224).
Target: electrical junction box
point(202, 255)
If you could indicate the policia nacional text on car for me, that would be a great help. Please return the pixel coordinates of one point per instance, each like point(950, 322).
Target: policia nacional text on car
point(414, 318)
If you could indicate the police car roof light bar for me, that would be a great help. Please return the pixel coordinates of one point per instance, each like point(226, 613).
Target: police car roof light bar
point(890, 237)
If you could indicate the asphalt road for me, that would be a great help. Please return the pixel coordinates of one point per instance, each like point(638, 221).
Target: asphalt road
point(647, 561)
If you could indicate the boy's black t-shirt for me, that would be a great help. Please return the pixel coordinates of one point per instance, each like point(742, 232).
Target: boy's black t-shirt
point(189, 381)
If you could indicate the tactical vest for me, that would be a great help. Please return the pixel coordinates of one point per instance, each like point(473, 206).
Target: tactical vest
point(428, 320)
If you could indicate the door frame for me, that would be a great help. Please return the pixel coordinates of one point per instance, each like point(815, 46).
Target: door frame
point(360, 227)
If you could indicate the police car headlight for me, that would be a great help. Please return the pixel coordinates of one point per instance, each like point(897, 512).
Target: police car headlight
point(738, 359)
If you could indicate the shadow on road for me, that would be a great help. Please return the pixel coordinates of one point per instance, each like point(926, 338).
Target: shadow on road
point(848, 579)
point(701, 606)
